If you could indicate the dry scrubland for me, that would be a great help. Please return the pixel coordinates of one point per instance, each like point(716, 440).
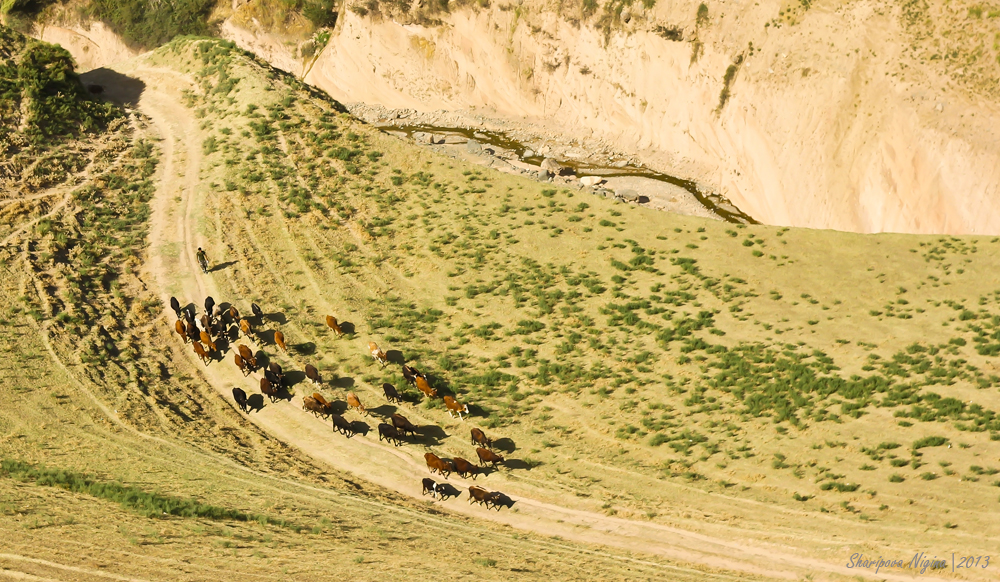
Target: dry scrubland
point(822, 391)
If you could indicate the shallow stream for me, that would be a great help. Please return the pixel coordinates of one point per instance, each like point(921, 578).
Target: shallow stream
point(716, 203)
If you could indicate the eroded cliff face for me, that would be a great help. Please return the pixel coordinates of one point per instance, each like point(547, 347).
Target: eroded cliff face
point(833, 119)
point(819, 130)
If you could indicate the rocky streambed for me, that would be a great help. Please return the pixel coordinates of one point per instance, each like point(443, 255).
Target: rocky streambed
point(516, 149)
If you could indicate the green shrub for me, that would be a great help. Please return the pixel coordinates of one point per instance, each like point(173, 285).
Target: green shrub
point(931, 441)
point(147, 25)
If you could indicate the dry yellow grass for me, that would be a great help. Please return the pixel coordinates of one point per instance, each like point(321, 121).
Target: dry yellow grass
point(423, 256)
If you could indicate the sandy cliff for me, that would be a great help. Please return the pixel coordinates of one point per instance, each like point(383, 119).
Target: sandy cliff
point(819, 131)
point(833, 119)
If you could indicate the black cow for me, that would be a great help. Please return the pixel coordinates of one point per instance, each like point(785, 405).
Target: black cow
point(241, 399)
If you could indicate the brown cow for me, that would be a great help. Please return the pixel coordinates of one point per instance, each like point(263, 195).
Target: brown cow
point(234, 314)
point(455, 407)
point(313, 374)
point(248, 357)
point(241, 364)
point(206, 322)
point(402, 424)
point(181, 330)
point(390, 393)
point(192, 331)
point(391, 434)
point(477, 494)
point(480, 438)
point(465, 468)
point(279, 338)
point(341, 425)
point(353, 402)
point(331, 322)
point(319, 398)
point(205, 338)
point(424, 387)
point(312, 405)
point(377, 353)
point(488, 456)
point(246, 329)
point(268, 390)
point(437, 465)
point(200, 350)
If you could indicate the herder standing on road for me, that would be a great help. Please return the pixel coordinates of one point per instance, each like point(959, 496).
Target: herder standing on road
point(202, 260)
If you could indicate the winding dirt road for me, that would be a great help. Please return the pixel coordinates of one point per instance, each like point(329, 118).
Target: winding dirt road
point(176, 232)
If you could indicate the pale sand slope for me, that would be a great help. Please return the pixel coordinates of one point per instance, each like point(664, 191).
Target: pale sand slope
point(818, 131)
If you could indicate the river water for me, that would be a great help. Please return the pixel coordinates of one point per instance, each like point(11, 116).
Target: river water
point(712, 201)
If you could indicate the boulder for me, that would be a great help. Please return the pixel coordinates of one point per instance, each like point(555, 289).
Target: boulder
point(529, 153)
point(454, 140)
point(544, 175)
point(473, 147)
point(551, 165)
point(423, 137)
point(620, 164)
point(591, 180)
point(627, 194)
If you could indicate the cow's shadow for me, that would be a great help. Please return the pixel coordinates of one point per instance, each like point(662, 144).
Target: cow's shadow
point(262, 359)
point(347, 327)
point(505, 444)
point(519, 464)
point(384, 410)
point(255, 402)
point(430, 434)
point(276, 317)
point(266, 336)
point(343, 382)
point(303, 349)
point(293, 377)
point(447, 491)
point(395, 357)
point(284, 394)
point(503, 500)
point(360, 427)
point(338, 407)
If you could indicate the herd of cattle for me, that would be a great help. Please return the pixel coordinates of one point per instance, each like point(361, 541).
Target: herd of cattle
point(218, 322)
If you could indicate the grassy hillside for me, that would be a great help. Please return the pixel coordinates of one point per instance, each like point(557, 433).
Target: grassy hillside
point(814, 389)
point(116, 456)
point(635, 358)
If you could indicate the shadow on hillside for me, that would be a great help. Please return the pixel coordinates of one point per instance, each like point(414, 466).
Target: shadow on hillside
point(447, 491)
point(255, 402)
point(430, 434)
point(519, 464)
point(347, 327)
point(505, 445)
point(276, 317)
point(304, 349)
point(221, 267)
point(113, 86)
point(395, 357)
point(385, 410)
point(343, 382)
point(360, 427)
